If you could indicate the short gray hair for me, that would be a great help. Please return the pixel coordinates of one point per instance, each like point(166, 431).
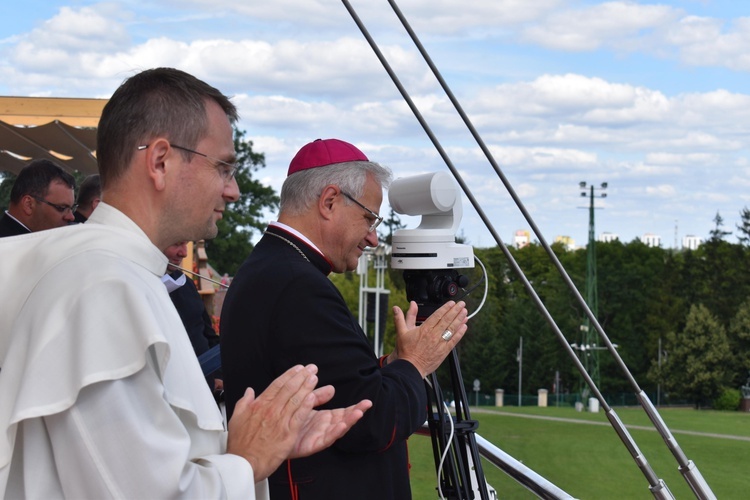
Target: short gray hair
point(302, 189)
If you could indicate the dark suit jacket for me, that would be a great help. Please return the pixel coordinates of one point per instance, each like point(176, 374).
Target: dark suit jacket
point(79, 217)
point(198, 324)
point(9, 227)
point(282, 310)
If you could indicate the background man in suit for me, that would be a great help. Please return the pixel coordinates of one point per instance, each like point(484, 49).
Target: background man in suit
point(41, 198)
point(89, 196)
point(189, 304)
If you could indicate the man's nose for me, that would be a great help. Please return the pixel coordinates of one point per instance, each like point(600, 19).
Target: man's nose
point(372, 238)
point(232, 191)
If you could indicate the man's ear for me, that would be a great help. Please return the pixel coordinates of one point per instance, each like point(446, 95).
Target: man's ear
point(327, 202)
point(158, 155)
point(27, 205)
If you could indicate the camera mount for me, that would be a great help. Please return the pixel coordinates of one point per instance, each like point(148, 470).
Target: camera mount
point(429, 254)
point(430, 258)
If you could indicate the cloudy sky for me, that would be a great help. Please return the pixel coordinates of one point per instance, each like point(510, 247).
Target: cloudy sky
point(652, 98)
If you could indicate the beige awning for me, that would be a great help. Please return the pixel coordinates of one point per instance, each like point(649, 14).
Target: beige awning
point(59, 129)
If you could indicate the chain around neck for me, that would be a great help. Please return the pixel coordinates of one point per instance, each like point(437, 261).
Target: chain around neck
point(290, 243)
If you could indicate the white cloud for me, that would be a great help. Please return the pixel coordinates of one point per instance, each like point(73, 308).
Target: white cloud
point(669, 159)
point(590, 27)
point(692, 30)
point(574, 98)
point(704, 42)
point(660, 30)
point(429, 17)
point(60, 44)
point(643, 170)
point(543, 158)
point(719, 109)
point(662, 191)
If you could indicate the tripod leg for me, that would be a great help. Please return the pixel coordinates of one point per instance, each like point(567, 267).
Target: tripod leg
point(459, 470)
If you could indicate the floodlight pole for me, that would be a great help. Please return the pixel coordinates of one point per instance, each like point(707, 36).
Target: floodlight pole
point(589, 350)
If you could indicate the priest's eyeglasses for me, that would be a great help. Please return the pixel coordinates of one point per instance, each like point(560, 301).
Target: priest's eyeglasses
point(60, 208)
point(378, 219)
point(225, 168)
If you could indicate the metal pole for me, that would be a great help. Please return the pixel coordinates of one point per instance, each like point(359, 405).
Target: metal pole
point(657, 486)
point(592, 298)
point(691, 474)
point(520, 369)
point(658, 385)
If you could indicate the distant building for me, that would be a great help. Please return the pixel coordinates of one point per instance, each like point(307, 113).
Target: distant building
point(521, 238)
point(607, 237)
point(652, 240)
point(691, 242)
point(570, 243)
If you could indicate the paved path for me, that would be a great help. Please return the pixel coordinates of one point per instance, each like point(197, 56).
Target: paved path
point(578, 421)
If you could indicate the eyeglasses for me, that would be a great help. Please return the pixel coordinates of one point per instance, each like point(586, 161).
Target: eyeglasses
point(60, 208)
point(225, 168)
point(378, 219)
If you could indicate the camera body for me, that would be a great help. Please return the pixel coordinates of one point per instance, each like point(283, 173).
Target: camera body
point(429, 254)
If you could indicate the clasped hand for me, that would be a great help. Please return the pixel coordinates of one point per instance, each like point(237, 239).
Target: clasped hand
point(282, 423)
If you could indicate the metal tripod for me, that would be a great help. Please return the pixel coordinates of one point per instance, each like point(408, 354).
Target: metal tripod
point(454, 445)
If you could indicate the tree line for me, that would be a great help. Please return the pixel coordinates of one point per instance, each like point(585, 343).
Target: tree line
point(694, 303)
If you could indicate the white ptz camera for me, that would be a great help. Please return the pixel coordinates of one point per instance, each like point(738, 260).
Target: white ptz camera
point(432, 245)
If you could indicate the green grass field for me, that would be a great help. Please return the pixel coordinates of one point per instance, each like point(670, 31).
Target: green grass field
point(590, 461)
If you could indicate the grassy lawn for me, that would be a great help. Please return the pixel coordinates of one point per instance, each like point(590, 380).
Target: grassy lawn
point(590, 461)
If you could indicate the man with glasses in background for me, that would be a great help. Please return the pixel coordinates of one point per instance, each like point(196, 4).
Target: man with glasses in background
point(41, 198)
point(282, 310)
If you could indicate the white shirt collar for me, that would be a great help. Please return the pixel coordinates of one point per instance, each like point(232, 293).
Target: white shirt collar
point(171, 283)
point(296, 233)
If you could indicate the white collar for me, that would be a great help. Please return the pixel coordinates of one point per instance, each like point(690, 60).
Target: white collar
point(296, 233)
point(171, 283)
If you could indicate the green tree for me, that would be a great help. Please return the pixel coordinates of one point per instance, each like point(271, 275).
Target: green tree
point(484, 352)
point(244, 217)
point(5, 186)
point(721, 277)
point(744, 227)
point(637, 305)
point(698, 363)
point(717, 233)
point(512, 314)
point(739, 342)
point(390, 225)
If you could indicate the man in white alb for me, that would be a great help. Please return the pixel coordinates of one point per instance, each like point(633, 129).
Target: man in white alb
point(101, 395)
